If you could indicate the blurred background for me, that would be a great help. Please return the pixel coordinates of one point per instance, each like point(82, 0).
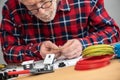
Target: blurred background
point(112, 7)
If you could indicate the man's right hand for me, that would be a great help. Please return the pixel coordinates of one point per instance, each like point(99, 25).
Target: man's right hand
point(48, 47)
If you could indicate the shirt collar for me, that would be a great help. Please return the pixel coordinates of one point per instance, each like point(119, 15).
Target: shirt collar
point(63, 5)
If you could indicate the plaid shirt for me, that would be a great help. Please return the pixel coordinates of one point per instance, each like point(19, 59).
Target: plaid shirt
point(86, 20)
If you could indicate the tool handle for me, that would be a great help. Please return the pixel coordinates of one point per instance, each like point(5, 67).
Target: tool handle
point(19, 72)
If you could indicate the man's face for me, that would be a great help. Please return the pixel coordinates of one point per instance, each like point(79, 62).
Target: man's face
point(45, 10)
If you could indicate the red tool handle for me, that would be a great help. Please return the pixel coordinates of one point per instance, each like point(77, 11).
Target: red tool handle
point(19, 72)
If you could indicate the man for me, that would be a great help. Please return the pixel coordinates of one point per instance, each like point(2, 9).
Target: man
point(33, 28)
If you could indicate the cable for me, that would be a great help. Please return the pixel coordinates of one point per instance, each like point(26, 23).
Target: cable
point(93, 62)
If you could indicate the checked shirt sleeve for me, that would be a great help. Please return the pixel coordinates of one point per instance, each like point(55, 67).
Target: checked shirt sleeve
point(103, 29)
point(14, 48)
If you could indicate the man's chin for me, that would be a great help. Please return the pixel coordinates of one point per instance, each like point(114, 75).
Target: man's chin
point(45, 19)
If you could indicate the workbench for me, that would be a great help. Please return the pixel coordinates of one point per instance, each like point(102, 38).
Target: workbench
point(109, 72)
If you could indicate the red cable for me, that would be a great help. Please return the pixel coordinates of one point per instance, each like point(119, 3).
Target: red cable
point(95, 59)
point(93, 62)
point(92, 66)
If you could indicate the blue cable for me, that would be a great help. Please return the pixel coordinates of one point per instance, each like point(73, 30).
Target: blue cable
point(117, 49)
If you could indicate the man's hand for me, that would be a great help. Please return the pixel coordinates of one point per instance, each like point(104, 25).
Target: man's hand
point(71, 49)
point(48, 47)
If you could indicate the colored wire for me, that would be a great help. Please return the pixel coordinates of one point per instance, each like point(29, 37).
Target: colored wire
point(93, 62)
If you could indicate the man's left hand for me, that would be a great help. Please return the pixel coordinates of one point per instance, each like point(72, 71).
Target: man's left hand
point(71, 49)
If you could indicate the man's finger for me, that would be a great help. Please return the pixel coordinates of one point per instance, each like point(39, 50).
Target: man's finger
point(76, 52)
point(68, 43)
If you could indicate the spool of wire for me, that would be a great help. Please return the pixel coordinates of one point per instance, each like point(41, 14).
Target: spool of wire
point(93, 62)
point(117, 50)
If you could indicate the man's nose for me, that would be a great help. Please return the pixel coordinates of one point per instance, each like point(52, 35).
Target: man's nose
point(41, 10)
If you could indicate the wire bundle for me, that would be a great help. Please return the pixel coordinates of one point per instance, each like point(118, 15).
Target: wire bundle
point(93, 62)
point(117, 50)
point(95, 56)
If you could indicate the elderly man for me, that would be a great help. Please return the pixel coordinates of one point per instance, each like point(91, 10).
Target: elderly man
point(33, 28)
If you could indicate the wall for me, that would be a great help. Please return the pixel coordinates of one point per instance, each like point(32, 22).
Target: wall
point(1, 55)
point(1, 4)
point(112, 7)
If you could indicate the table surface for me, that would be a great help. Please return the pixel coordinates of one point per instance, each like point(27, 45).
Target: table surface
point(109, 72)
